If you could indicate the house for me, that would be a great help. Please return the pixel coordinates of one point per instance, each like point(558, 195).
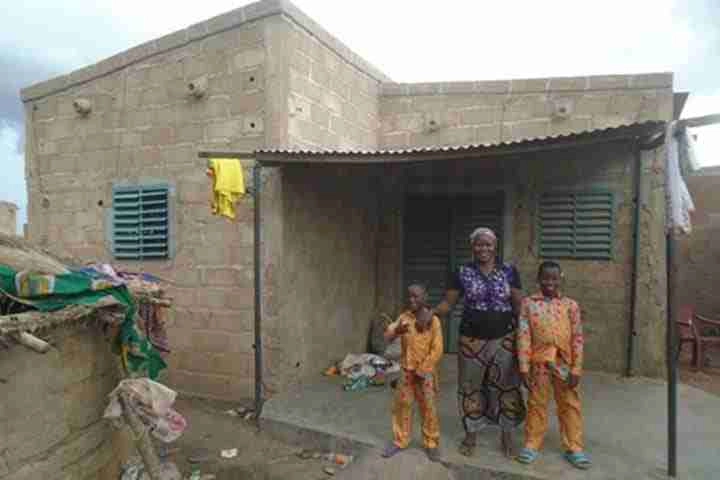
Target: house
point(699, 254)
point(408, 170)
point(8, 218)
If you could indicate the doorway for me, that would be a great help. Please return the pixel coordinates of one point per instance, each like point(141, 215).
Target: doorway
point(436, 242)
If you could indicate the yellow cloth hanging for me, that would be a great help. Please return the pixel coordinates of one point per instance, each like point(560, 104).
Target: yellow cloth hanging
point(228, 185)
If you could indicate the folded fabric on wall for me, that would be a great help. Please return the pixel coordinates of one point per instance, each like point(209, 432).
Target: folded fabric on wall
point(47, 293)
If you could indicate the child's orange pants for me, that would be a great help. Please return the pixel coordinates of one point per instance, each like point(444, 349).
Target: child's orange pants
point(568, 409)
point(410, 388)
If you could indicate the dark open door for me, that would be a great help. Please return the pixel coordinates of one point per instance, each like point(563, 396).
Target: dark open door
point(436, 242)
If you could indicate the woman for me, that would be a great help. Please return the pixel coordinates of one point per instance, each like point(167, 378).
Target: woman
point(489, 380)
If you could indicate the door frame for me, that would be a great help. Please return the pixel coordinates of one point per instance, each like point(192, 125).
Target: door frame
point(508, 220)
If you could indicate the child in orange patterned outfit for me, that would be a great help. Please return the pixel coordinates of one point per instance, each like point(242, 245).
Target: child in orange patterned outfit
point(422, 349)
point(550, 354)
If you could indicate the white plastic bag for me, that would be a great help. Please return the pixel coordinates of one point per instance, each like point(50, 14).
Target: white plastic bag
point(135, 470)
point(151, 402)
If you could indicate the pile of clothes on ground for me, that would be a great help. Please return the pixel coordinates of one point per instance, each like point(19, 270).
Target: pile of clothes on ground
point(364, 370)
point(371, 369)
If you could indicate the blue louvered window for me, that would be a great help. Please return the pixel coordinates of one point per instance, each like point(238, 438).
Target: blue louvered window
point(140, 222)
point(576, 225)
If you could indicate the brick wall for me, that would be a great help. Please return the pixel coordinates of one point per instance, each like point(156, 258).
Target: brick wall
point(495, 111)
point(8, 218)
point(699, 256)
point(51, 414)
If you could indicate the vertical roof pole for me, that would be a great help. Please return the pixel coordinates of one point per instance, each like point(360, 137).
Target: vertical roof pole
point(257, 263)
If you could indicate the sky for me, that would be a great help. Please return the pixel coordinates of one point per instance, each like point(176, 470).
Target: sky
point(410, 41)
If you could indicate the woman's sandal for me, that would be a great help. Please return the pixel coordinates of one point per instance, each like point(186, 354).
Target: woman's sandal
point(467, 449)
point(527, 456)
point(578, 460)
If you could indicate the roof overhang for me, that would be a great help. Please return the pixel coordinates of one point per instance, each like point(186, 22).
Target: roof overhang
point(278, 157)
point(679, 101)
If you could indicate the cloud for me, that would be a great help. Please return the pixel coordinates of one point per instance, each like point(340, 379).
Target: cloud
point(708, 137)
point(13, 185)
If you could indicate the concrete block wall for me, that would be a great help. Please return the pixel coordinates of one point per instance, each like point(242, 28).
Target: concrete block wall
point(8, 218)
point(601, 287)
point(51, 415)
point(699, 257)
point(329, 229)
point(322, 96)
point(598, 286)
point(332, 104)
point(145, 127)
point(454, 113)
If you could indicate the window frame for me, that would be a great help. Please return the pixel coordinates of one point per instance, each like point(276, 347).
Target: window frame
point(170, 220)
point(612, 224)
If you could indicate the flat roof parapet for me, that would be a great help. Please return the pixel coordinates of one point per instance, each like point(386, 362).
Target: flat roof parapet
point(533, 85)
point(226, 21)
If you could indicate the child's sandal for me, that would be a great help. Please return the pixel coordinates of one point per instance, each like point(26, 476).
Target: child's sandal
point(527, 456)
point(578, 460)
point(391, 450)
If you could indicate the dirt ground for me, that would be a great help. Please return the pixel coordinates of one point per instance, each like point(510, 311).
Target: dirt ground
point(259, 457)
point(707, 379)
point(211, 429)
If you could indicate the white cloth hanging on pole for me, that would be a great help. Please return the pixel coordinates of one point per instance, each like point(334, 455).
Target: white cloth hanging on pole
point(679, 202)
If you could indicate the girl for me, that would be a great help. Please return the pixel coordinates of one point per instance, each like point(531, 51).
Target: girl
point(422, 349)
point(550, 354)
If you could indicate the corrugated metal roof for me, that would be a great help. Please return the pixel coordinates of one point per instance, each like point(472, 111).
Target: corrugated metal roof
point(610, 133)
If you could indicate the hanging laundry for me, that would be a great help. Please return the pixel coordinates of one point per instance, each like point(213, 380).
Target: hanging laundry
point(680, 205)
point(153, 326)
point(228, 185)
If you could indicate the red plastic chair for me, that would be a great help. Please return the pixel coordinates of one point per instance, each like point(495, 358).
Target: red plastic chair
point(691, 327)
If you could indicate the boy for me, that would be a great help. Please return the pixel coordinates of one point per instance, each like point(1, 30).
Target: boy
point(422, 348)
point(550, 353)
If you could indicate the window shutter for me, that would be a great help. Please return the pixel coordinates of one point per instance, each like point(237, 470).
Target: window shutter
point(140, 222)
point(576, 225)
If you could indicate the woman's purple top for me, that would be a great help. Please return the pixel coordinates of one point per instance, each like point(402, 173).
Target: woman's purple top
point(487, 300)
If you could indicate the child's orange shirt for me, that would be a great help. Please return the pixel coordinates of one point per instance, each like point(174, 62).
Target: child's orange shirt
point(550, 332)
point(421, 351)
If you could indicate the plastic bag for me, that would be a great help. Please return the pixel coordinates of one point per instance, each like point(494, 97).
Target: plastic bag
point(151, 402)
point(134, 469)
point(358, 384)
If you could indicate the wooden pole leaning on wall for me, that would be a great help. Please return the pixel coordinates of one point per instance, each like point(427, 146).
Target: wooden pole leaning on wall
point(141, 437)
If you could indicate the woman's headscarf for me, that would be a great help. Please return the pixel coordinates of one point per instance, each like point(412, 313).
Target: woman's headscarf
point(480, 232)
